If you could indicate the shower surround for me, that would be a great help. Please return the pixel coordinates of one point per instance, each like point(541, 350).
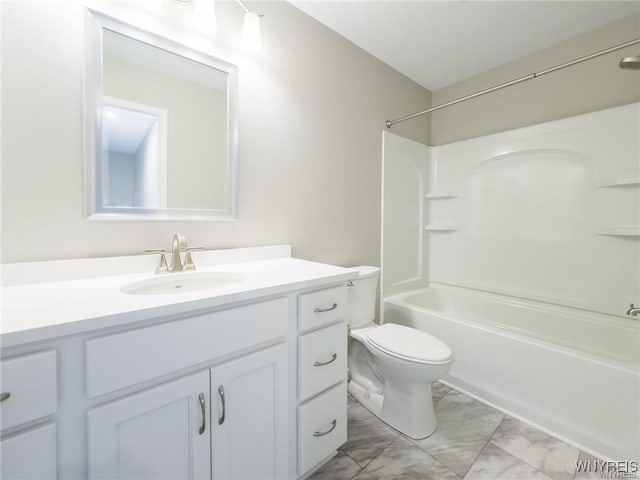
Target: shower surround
point(529, 243)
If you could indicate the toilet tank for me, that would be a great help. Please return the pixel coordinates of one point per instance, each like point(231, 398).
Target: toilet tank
point(362, 296)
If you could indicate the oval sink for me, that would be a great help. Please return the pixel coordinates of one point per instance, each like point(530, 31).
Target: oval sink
point(181, 283)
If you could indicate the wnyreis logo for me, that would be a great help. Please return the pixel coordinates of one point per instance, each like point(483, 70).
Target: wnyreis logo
point(609, 468)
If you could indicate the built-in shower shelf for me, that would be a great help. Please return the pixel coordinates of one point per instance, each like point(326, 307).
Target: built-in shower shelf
point(618, 182)
point(620, 231)
point(440, 195)
point(441, 228)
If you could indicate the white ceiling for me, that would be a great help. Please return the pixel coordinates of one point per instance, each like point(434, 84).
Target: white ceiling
point(437, 43)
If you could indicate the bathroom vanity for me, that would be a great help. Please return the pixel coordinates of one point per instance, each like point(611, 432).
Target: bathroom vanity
point(244, 379)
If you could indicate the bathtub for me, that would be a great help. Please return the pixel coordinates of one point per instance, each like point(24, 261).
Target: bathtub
point(570, 372)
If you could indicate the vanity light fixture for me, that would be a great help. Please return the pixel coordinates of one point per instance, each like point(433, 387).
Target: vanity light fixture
point(203, 18)
point(251, 37)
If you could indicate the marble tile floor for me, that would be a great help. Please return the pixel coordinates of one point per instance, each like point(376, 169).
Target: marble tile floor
point(472, 442)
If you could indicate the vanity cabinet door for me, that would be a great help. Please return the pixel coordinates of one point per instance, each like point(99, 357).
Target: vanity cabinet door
point(249, 416)
point(163, 432)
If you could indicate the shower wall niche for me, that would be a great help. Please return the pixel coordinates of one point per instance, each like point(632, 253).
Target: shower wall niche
point(549, 212)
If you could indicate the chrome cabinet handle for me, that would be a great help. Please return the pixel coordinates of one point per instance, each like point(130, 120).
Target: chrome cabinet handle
point(328, 309)
point(221, 393)
point(322, 364)
point(4, 396)
point(204, 413)
point(349, 283)
point(327, 432)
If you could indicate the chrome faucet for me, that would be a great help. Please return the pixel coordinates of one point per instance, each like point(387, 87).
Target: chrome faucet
point(633, 310)
point(178, 247)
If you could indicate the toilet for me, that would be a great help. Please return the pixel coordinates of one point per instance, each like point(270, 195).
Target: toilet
point(391, 366)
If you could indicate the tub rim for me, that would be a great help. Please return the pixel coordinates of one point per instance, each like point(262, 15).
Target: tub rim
point(399, 299)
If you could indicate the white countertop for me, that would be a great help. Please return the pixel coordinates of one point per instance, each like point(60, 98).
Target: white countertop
point(47, 309)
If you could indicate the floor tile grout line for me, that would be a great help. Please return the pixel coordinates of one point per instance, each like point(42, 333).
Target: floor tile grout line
point(524, 460)
point(378, 454)
point(484, 446)
point(359, 467)
point(357, 462)
point(432, 457)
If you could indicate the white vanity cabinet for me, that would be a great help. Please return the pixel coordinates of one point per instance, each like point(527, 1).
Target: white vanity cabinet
point(225, 422)
point(28, 385)
point(249, 417)
point(245, 382)
point(162, 432)
point(181, 430)
point(30, 454)
point(322, 375)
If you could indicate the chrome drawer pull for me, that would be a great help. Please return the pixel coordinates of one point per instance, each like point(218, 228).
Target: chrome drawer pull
point(4, 396)
point(221, 393)
point(328, 309)
point(204, 413)
point(322, 434)
point(322, 364)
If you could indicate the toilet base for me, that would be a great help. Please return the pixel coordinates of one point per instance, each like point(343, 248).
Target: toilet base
point(410, 413)
point(370, 401)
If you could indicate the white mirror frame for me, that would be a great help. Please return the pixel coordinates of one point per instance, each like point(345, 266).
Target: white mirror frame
point(95, 22)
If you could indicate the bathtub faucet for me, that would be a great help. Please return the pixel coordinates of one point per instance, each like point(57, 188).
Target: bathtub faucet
point(633, 310)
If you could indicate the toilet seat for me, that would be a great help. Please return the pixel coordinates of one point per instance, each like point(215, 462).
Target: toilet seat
point(408, 344)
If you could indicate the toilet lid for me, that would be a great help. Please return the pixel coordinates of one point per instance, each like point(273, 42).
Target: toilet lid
point(409, 343)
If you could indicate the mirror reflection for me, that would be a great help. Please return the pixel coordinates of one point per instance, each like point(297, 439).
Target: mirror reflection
point(164, 129)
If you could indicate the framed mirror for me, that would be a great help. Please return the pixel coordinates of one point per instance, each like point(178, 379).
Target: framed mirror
point(160, 127)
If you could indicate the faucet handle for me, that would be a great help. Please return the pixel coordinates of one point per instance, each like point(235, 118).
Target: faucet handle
point(188, 261)
point(162, 267)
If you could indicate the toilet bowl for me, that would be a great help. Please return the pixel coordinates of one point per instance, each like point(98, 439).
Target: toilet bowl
point(391, 366)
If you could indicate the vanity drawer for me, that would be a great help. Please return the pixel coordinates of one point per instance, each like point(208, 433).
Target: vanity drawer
point(322, 359)
point(29, 387)
point(125, 359)
point(322, 307)
point(30, 454)
point(322, 427)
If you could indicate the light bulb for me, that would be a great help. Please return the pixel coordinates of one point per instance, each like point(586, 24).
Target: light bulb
point(251, 37)
point(203, 17)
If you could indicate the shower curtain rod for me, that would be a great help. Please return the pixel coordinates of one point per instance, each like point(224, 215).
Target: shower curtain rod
point(531, 76)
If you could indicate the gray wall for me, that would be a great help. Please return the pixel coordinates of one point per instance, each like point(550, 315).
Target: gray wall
point(312, 109)
point(594, 85)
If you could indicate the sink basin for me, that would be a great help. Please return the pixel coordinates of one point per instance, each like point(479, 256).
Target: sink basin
point(187, 282)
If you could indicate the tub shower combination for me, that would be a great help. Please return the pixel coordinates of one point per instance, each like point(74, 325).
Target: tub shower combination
point(520, 251)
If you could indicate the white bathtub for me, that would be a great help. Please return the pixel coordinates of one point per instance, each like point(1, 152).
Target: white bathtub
point(573, 373)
